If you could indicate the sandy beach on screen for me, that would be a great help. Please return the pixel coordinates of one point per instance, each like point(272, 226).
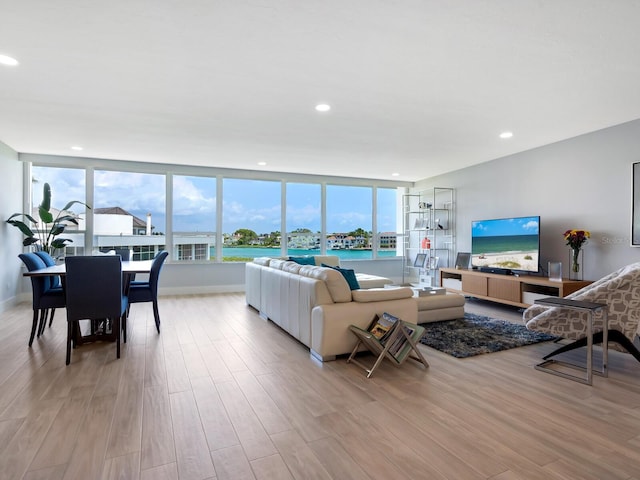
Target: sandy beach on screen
point(513, 261)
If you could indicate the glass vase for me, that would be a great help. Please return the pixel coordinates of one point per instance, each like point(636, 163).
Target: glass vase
point(576, 264)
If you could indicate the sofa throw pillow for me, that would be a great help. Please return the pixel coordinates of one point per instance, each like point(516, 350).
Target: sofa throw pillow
point(348, 274)
point(304, 260)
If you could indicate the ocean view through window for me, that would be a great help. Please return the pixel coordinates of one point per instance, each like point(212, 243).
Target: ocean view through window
point(204, 218)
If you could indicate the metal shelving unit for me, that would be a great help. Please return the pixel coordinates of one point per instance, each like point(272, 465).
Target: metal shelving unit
point(428, 235)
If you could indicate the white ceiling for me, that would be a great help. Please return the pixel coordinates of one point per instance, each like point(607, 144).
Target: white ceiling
point(418, 87)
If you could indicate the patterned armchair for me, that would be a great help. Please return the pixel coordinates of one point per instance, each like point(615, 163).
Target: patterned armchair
point(620, 290)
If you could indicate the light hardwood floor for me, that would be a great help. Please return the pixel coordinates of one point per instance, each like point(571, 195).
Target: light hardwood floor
point(221, 393)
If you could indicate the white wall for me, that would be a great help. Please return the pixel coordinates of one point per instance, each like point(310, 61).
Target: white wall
point(10, 237)
point(583, 182)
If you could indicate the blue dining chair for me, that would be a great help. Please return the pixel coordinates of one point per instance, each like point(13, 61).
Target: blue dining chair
point(93, 288)
point(45, 299)
point(148, 291)
point(49, 261)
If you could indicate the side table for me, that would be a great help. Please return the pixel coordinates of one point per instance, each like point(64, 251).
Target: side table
point(591, 308)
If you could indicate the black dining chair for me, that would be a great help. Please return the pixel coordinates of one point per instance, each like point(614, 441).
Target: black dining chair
point(93, 287)
point(148, 291)
point(45, 298)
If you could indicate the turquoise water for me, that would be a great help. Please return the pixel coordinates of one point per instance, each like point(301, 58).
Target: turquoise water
point(252, 252)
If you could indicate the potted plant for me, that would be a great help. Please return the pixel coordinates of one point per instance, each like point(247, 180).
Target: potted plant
point(46, 237)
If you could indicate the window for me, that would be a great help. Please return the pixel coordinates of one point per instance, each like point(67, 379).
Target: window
point(387, 208)
point(251, 219)
point(129, 212)
point(194, 218)
point(303, 219)
point(349, 221)
point(67, 184)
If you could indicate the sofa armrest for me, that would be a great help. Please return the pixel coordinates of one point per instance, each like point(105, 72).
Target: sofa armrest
point(330, 335)
point(381, 294)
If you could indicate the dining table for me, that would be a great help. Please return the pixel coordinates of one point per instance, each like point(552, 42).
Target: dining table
point(99, 329)
point(129, 268)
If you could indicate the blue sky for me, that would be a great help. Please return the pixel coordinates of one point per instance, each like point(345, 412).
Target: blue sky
point(250, 204)
point(506, 226)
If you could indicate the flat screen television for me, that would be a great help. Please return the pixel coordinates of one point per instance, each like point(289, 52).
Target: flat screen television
point(506, 243)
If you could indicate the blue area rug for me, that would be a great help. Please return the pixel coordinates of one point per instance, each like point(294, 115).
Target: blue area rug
point(477, 334)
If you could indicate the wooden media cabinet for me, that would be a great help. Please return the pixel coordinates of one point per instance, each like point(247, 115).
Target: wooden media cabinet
point(519, 291)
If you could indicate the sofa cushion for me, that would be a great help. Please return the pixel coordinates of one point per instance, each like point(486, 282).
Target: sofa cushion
point(381, 294)
point(291, 267)
point(331, 260)
point(264, 261)
point(348, 274)
point(335, 282)
point(310, 260)
point(277, 263)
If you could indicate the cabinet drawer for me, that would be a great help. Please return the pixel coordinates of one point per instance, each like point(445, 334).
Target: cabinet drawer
point(474, 284)
point(504, 289)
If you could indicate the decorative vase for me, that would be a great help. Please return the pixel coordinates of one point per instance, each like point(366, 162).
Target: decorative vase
point(575, 265)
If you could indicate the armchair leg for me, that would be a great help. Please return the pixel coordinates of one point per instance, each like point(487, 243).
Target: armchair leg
point(53, 312)
point(613, 335)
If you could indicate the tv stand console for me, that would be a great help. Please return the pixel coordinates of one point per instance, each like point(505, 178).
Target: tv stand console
point(519, 291)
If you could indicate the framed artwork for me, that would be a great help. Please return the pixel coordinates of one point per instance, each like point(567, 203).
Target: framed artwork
point(635, 207)
point(463, 259)
point(420, 260)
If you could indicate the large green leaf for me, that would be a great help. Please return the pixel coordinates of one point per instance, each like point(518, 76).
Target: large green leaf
point(57, 229)
point(46, 198)
point(29, 241)
point(61, 242)
point(45, 215)
point(23, 227)
point(73, 202)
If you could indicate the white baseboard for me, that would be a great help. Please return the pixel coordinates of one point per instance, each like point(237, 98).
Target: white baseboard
point(201, 290)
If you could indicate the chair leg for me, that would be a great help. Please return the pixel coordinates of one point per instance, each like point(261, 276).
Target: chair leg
point(34, 325)
point(43, 321)
point(116, 326)
point(615, 336)
point(53, 312)
point(156, 315)
point(69, 334)
point(123, 326)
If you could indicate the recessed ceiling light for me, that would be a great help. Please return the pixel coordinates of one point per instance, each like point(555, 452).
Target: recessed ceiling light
point(262, 164)
point(395, 174)
point(6, 60)
point(506, 135)
point(77, 148)
point(323, 107)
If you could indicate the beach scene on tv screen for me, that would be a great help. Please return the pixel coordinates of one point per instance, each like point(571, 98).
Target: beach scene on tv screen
point(511, 243)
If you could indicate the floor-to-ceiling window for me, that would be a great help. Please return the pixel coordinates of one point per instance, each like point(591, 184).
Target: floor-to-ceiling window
point(349, 221)
point(386, 222)
point(67, 185)
point(202, 212)
point(194, 218)
point(304, 220)
point(129, 212)
point(251, 219)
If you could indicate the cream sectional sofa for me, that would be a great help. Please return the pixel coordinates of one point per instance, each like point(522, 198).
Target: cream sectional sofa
point(315, 305)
